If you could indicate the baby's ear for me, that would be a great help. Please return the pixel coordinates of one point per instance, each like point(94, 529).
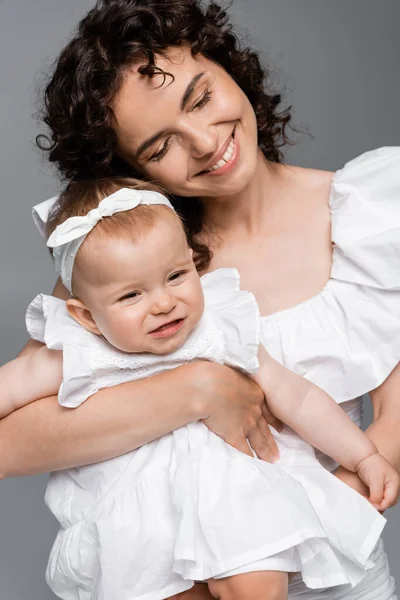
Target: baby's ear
point(82, 315)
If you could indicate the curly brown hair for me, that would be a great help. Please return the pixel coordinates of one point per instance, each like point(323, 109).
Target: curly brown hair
point(113, 36)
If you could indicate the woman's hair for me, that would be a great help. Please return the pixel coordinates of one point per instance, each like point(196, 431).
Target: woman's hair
point(117, 34)
point(81, 196)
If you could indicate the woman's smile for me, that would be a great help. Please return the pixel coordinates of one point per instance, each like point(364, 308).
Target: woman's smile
point(226, 159)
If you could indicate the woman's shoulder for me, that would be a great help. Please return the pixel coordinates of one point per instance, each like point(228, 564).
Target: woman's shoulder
point(365, 173)
point(362, 198)
point(313, 179)
point(309, 194)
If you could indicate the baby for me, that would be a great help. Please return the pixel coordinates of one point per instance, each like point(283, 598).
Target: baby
point(186, 507)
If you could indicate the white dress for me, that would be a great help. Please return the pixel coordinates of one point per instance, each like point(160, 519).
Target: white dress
point(350, 342)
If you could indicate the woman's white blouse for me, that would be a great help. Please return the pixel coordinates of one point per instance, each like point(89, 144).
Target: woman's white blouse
point(346, 339)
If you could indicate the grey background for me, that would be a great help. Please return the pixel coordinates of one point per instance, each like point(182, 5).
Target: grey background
point(339, 60)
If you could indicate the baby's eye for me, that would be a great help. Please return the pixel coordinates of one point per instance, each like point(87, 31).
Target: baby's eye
point(130, 296)
point(176, 275)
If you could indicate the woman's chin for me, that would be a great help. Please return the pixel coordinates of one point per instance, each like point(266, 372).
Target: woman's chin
point(237, 183)
point(226, 185)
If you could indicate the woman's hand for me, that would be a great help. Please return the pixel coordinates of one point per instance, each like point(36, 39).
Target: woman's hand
point(234, 408)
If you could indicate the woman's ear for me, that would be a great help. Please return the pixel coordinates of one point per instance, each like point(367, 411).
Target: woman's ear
point(82, 315)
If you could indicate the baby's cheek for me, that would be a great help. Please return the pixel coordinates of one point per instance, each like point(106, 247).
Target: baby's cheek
point(130, 334)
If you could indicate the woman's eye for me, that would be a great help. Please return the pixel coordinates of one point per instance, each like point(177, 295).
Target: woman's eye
point(159, 155)
point(203, 101)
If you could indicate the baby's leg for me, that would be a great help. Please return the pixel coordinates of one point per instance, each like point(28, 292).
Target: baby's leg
point(259, 585)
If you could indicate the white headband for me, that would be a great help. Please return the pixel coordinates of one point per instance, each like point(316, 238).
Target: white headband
point(67, 238)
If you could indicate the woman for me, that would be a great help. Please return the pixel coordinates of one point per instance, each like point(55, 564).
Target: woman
point(162, 91)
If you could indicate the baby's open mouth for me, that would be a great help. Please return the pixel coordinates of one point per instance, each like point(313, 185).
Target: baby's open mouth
point(167, 329)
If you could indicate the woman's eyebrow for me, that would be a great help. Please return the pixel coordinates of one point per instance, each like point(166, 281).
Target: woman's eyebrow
point(185, 99)
point(190, 89)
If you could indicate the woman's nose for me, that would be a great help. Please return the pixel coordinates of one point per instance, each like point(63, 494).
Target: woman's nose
point(203, 140)
point(163, 302)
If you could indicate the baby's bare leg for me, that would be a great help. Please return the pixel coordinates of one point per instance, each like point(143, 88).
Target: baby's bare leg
point(199, 591)
point(260, 585)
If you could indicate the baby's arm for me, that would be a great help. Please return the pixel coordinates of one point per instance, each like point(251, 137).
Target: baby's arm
point(29, 378)
point(318, 419)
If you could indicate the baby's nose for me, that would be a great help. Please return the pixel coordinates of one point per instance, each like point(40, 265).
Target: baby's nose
point(164, 302)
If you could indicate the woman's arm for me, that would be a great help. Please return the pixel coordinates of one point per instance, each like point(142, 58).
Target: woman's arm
point(45, 436)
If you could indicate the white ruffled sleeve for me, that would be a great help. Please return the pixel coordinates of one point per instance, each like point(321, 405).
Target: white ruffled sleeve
point(365, 206)
point(40, 215)
point(48, 321)
point(236, 314)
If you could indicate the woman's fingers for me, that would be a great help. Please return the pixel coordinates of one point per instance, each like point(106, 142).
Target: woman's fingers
point(238, 411)
point(270, 418)
point(262, 441)
point(242, 445)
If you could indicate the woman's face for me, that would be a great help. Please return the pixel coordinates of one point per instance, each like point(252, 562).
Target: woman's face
point(196, 135)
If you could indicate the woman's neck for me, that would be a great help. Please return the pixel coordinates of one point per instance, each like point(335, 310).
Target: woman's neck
point(245, 211)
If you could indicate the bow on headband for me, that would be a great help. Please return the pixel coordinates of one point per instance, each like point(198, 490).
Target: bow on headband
point(67, 238)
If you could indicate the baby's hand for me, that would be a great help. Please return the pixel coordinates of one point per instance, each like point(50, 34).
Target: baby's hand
point(382, 480)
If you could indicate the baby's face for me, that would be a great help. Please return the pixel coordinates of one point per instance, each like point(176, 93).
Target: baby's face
point(144, 296)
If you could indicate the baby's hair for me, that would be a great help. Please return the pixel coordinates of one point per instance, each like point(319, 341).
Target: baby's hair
point(80, 197)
